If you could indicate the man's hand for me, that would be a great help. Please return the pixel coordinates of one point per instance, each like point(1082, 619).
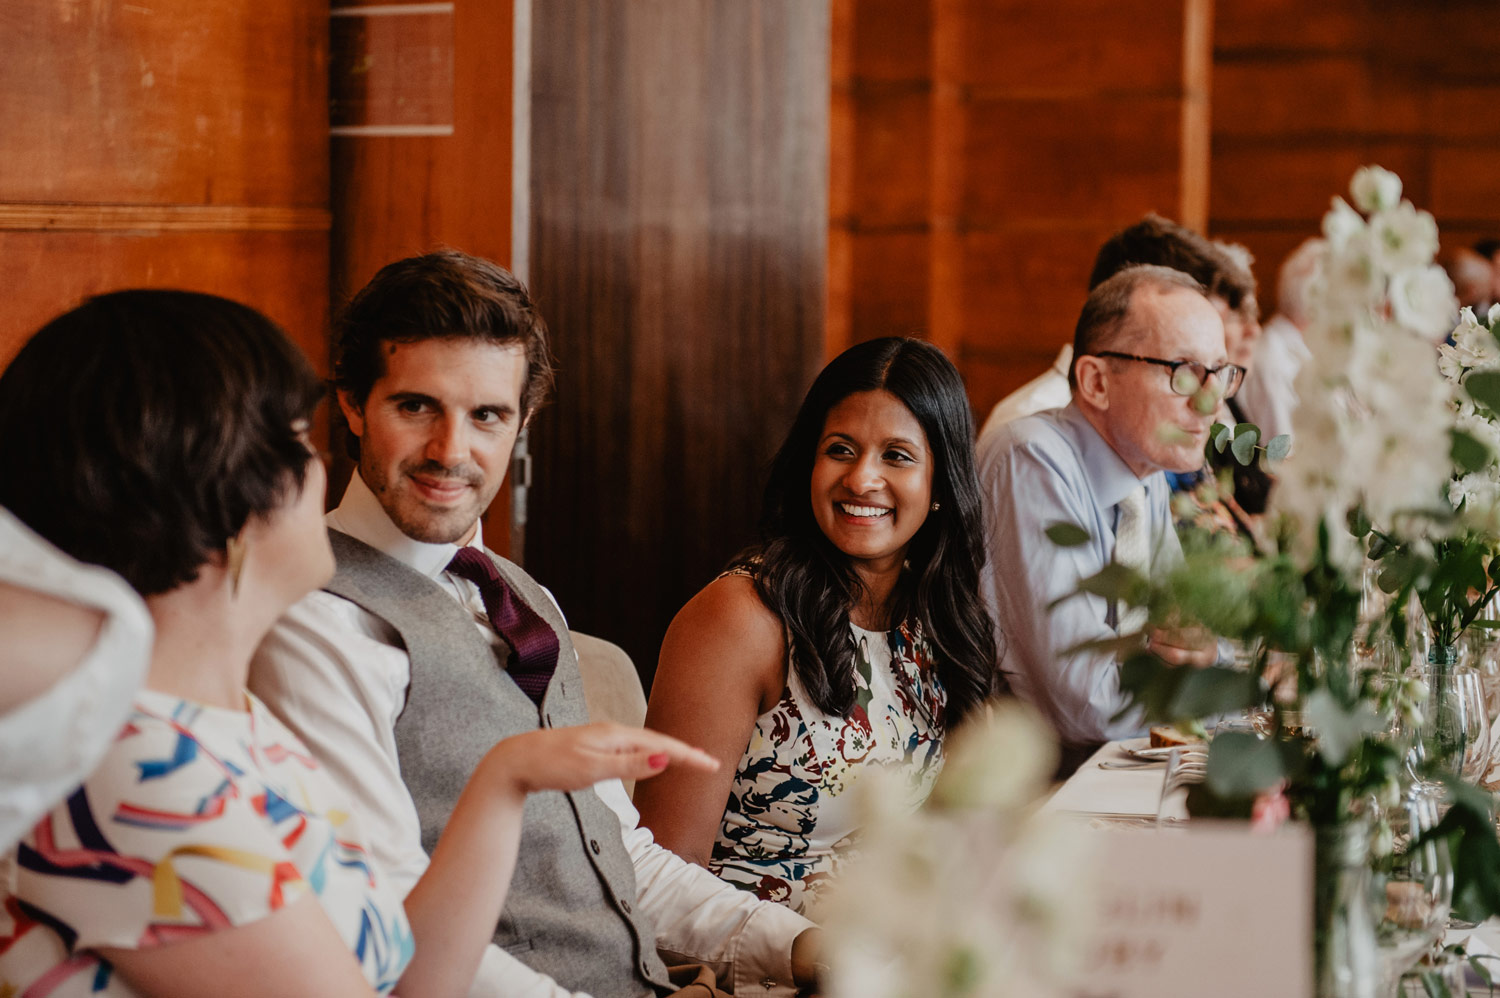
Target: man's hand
point(1191, 646)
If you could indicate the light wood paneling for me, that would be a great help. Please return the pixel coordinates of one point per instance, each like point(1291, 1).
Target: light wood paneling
point(679, 180)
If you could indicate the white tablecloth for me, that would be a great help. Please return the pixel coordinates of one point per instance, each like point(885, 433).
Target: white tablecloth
point(1094, 790)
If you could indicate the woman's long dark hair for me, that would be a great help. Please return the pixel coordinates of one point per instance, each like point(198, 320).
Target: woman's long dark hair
point(811, 585)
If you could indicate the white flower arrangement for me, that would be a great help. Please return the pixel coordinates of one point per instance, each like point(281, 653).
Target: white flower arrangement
point(1474, 349)
point(975, 895)
point(1373, 425)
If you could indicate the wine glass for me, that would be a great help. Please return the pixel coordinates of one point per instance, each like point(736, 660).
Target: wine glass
point(1418, 884)
point(1476, 724)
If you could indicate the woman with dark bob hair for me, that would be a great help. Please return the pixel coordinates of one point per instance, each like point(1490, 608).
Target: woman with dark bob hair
point(164, 435)
point(852, 636)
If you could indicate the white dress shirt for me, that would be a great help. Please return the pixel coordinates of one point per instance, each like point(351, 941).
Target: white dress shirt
point(338, 676)
point(1269, 395)
point(1048, 390)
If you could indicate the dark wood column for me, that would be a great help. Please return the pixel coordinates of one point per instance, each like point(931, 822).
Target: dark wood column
point(679, 217)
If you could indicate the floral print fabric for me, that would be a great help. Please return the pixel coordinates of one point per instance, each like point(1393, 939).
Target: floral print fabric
point(792, 814)
point(198, 819)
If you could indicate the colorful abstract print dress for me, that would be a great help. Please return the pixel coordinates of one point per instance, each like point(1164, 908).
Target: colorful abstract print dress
point(791, 815)
point(198, 819)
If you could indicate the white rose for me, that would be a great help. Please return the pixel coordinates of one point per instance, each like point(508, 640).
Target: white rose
point(1494, 315)
point(1403, 237)
point(1374, 188)
point(1422, 300)
point(1341, 224)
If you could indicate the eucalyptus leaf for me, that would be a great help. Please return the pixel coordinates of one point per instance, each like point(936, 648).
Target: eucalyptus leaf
point(1484, 387)
point(1359, 522)
point(1214, 690)
point(1067, 535)
point(1339, 730)
point(1246, 436)
point(1469, 453)
point(1221, 435)
point(1278, 447)
point(1116, 581)
point(1240, 764)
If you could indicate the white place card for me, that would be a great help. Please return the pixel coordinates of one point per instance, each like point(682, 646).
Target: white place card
point(1205, 909)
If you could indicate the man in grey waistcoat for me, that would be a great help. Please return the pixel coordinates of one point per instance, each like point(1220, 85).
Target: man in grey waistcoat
point(425, 649)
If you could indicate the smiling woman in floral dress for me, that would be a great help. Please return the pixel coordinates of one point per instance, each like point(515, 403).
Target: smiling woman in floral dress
point(852, 637)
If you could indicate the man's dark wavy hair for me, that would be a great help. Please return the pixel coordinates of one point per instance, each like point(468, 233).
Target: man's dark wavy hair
point(811, 585)
point(1164, 243)
point(439, 295)
point(143, 429)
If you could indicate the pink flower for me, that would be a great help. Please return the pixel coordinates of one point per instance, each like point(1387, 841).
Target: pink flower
point(1270, 810)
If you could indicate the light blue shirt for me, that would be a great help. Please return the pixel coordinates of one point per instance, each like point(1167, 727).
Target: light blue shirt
point(1044, 469)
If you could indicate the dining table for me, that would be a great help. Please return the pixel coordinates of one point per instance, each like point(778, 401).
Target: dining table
point(1116, 788)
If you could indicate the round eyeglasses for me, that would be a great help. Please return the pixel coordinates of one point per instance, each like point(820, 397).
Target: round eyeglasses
point(1188, 376)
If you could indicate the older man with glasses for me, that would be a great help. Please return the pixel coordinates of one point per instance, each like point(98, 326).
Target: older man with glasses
point(1149, 370)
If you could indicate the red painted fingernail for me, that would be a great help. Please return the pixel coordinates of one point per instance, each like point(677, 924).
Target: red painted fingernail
point(657, 760)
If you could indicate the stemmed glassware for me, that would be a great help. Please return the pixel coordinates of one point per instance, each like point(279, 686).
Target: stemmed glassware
point(1418, 885)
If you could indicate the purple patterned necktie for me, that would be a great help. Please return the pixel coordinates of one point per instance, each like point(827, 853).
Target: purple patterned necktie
point(529, 636)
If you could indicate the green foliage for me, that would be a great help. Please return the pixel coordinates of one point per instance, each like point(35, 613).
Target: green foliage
point(1278, 447)
point(1067, 535)
point(1246, 436)
point(1219, 436)
point(1170, 694)
point(1242, 765)
point(1340, 729)
point(1469, 453)
point(1484, 388)
point(1469, 828)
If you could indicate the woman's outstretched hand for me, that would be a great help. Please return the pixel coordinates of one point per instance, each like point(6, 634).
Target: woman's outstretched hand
point(578, 757)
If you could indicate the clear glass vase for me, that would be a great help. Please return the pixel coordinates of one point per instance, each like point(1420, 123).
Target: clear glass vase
point(1454, 736)
point(1346, 959)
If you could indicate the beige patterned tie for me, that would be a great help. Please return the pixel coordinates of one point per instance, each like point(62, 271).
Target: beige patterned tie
point(1133, 550)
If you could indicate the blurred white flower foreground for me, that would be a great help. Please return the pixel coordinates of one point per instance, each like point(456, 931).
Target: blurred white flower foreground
point(975, 896)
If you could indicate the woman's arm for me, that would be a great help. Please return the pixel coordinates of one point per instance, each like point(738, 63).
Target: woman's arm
point(723, 664)
point(294, 951)
point(454, 907)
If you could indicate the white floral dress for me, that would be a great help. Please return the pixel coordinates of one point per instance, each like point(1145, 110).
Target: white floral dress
point(792, 814)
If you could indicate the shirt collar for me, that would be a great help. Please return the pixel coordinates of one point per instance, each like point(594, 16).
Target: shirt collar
point(1109, 476)
point(361, 516)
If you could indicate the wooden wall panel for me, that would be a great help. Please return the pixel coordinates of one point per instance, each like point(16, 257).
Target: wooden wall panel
point(679, 205)
point(426, 161)
point(993, 145)
point(175, 144)
point(1303, 94)
point(172, 102)
point(286, 277)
